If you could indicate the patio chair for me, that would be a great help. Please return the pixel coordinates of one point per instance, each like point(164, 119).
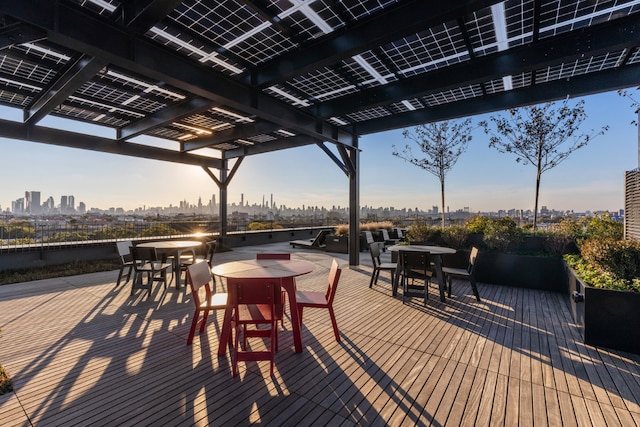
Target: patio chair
point(414, 265)
point(199, 276)
point(463, 273)
point(255, 306)
point(126, 261)
point(313, 299)
point(284, 293)
point(370, 240)
point(189, 260)
point(379, 266)
point(316, 243)
point(388, 241)
point(146, 262)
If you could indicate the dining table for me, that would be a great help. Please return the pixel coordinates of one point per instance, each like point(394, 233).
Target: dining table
point(284, 271)
point(174, 248)
point(436, 255)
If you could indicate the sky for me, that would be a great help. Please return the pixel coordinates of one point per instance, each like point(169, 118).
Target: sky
point(483, 179)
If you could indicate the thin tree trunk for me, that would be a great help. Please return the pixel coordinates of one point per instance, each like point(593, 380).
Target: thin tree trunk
point(442, 194)
point(538, 175)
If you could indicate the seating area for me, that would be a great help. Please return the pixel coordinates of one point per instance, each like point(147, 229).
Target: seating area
point(110, 358)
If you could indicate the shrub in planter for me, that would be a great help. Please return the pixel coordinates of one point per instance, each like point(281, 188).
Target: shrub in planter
point(420, 231)
point(558, 242)
point(502, 234)
point(456, 237)
point(620, 258)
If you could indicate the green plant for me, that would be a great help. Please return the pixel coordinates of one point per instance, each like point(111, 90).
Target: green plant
point(603, 227)
point(261, 225)
point(455, 236)
point(477, 224)
point(420, 231)
point(598, 279)
point(501, 234)
point(62, 270)
point(557, 242)
point(6, 385)
point(343, 229)
point(620, 258)
point(540, 135)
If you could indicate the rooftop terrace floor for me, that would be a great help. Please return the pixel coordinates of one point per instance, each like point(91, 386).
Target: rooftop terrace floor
point(82, 352)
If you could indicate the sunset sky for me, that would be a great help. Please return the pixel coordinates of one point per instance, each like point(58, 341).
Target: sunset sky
point(483, 179)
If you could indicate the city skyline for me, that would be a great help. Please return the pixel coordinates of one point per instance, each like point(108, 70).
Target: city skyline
point(209, 206)
point(483, 179)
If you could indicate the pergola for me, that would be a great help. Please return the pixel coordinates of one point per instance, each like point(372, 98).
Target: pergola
point(225, 79)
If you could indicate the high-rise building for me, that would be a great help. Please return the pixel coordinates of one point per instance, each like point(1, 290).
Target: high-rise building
point(17, 207)
point(64, 204)
point(32, 202)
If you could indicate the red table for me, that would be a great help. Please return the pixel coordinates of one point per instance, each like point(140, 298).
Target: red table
point(284, 270)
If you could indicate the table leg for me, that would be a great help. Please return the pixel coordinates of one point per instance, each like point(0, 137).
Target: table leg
point(396, 279)
point(288, 283)
point(225, 332)
point(437, 260)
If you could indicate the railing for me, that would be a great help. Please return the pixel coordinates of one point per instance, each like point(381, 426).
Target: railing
point(19, 236)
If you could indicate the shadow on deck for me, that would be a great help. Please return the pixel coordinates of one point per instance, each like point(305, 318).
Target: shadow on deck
point(84, 352)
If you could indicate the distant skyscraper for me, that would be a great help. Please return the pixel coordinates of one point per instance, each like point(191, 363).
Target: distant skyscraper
point(17, 207)
point(32, 202)
point(72, 203)
point(64, 204)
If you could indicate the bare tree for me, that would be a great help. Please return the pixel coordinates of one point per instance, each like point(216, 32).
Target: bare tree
point(442, 144)
point(541, 135)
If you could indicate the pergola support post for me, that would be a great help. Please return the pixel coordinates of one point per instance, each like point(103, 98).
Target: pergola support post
point(223, 200)
point(354, 203)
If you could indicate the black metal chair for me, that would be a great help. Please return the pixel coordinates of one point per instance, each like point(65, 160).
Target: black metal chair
point(463, 273)
point(414, 266)
point(126, 261)
point(378, 266)
point(146, 262)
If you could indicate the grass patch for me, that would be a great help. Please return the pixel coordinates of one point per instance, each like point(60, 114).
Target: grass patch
point(52, 271)
point(5, 381)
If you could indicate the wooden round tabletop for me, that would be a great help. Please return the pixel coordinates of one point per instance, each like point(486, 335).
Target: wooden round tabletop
point(263, 268)
point(436, 250)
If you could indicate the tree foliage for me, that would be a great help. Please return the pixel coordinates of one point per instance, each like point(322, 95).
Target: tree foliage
point(441, 145)
point(540, 135)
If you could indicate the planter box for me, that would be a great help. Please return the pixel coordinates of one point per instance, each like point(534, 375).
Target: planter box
point(524, 271)
point(605, 317)
point(339, 244)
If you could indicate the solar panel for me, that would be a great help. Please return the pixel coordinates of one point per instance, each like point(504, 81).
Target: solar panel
point(297, 58)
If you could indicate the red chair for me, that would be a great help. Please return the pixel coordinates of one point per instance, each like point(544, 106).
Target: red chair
point(322, 299)
point(198, 276)
point(284, 293)
point(254, 305)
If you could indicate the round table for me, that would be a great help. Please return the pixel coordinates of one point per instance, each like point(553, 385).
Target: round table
point(284, 270)
point(175, 248)
point(436, 251)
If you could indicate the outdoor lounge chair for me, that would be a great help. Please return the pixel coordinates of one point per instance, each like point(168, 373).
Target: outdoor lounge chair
point(463, 273)
point(315, 243)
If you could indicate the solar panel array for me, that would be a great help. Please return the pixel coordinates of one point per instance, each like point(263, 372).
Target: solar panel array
point(312, 59)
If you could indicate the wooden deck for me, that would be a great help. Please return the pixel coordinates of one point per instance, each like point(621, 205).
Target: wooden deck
point(83, 352)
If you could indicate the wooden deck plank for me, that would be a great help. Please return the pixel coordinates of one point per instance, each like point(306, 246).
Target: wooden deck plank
point(87, 353)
